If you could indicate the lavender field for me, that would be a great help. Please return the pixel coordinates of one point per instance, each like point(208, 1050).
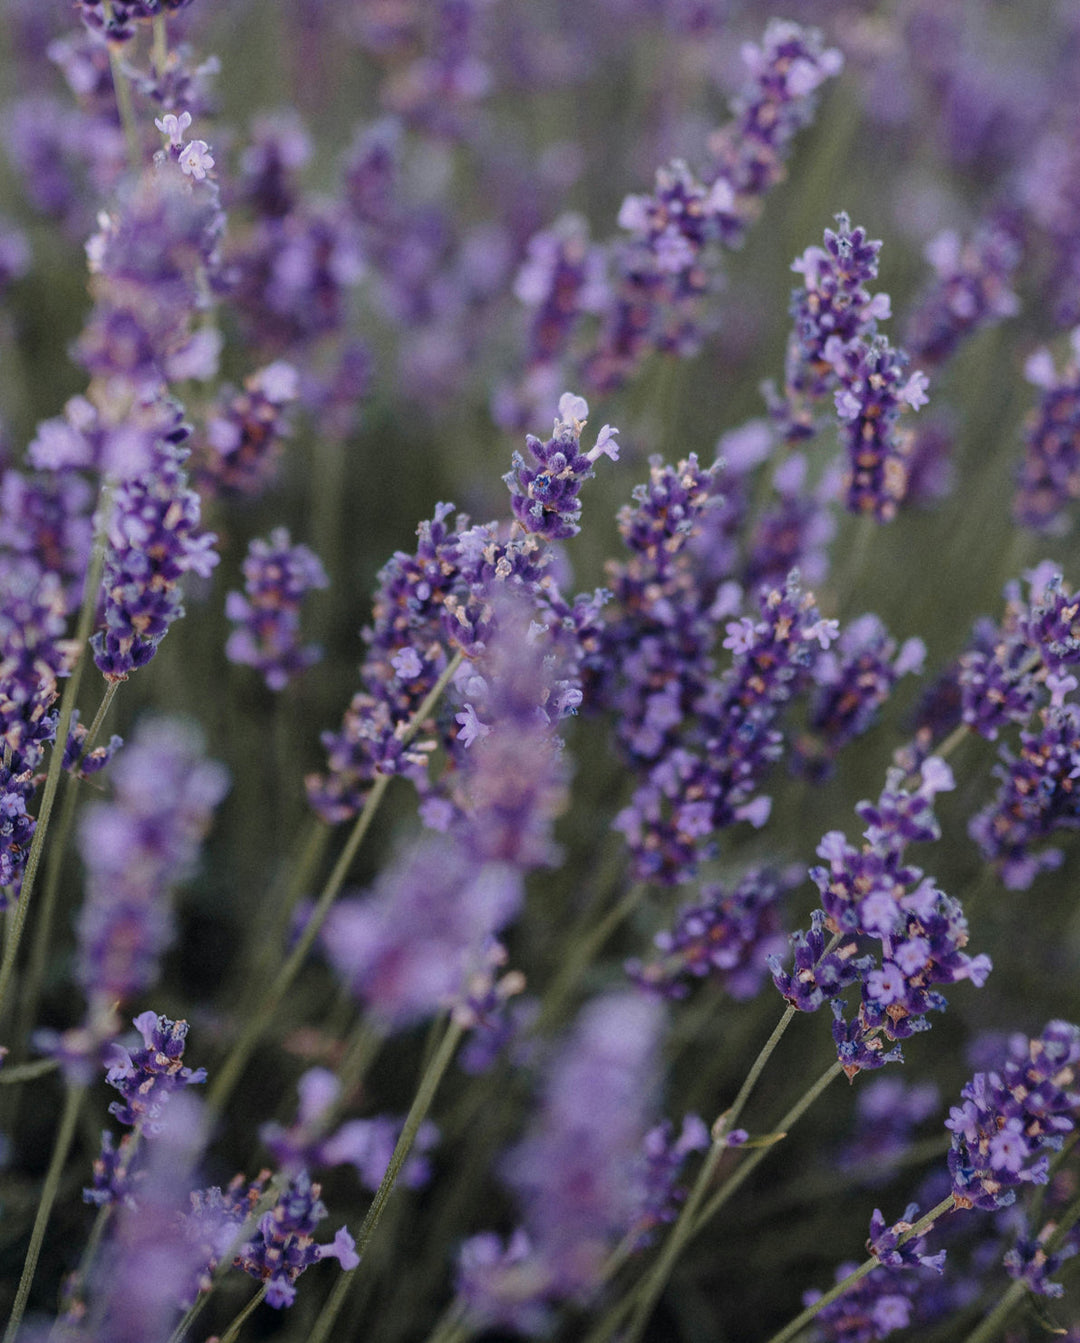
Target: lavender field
point(539, 671)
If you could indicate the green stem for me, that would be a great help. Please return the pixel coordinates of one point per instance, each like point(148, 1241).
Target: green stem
point(799, 1323)
point(123, 106)
point(26, 1072)
point(259, 1019)
point(56, 761)
point(613, 1321)
point(786, 1124)
point(451, 1328)
point(160, 47)
point(64, 1136)
point(233, 1332)
point(658, 1276)
point(422, 1102)
point(42, 941)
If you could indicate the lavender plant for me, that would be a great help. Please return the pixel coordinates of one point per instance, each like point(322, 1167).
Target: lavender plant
point(444, 899)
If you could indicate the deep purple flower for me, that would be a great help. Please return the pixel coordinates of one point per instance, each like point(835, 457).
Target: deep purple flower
point(241, 445)
point(544, 496)
point(660, 271)
point(45, 515)
point(154, 539)
point(1038, 795)
point(135, 848)
point(1029, 1262)
point(711, 782)
point(447, 595)
point(663, 1157)
point(284, 1244)
point(971, 289)
point(885, 1243)
point(277, 577)
point(854, 678)
point(658, 639)
point(34, 655)
point(817, 975)
point(146, 1077)
point(1011, 669)
point(1048, 477)
point(728, 935)
point(875, 1307)
point(833, 308)
point(1013, 1117)
point(149, 1269)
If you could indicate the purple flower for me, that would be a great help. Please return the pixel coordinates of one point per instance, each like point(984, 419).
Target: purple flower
point(544, 497)
point(284, 1244)
point(1048, 476)
point(728, 935)
point(711, 781)
point(887, 1110)
point(408, 948)
point(277, 578)
point(147, 1077)
point(574, 1170)
point(151, 261)
point(875, 1307)
point(663, 1157)
point(1037, 796)
point(154, 539)
point(149, 1267)
point(662, 271)
point(243, 438)
point(1013, 1117)
point(854, 678)
point(365, 1144)
point(135, 849)
point(971, 289)
point(885, 1244)
point(1029, 1262)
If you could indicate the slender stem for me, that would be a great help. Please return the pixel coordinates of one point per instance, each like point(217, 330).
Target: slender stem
point(258, 1020)
point(786, 1124)
point(582, 950)
point(56, 762)
point(42, 941)
point(26, 1072)
point(612, 1322)
point(233, 1332)
point(451, 1328)
point(923, 1224)
point(657, 1278)
point(123, 106)
point(64, 1136)
point(160, 48)
point(111, 687)
point(425, 1095)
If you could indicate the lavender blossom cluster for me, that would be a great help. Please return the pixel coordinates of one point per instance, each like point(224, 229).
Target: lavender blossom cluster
point(466, 883)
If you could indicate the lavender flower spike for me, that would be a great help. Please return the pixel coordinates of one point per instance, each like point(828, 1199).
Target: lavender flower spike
point(136, 848)
point(544, 496)
point(277, 577)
